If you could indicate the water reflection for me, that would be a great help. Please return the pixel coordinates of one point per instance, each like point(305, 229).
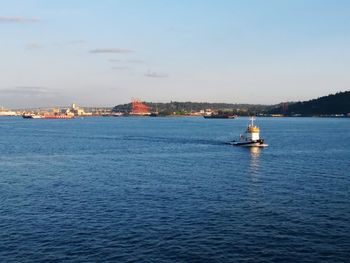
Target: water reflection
point(254, 161)
point(254, 173)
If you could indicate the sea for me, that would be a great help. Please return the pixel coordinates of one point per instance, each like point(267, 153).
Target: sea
point(129, 189)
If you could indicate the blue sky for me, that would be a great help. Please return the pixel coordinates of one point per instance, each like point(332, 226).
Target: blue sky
point(106, 52)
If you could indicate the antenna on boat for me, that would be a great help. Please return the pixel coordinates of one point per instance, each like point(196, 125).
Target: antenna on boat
point(252, 120)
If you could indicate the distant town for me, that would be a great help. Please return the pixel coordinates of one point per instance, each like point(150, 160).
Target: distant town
point(334, 105)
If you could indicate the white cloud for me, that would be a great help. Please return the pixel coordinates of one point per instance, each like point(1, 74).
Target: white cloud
point(18, 19)
point(150, 74)
point(33, 46)
point(111, 50)
point(27, 91)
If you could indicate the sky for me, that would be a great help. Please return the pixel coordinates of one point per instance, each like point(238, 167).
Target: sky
point(106, 52)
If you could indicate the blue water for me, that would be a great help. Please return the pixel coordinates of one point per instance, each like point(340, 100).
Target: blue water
point(171, 190)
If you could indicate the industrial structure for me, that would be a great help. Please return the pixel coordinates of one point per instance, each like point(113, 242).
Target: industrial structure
point(139, 108)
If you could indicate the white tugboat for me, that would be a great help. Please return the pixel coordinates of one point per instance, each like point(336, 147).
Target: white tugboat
point(251, 137)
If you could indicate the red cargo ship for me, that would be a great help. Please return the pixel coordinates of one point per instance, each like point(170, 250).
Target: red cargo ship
point(57, 117)
point(33, 116)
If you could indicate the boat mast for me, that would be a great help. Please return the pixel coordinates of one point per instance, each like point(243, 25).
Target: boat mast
point(252, 121)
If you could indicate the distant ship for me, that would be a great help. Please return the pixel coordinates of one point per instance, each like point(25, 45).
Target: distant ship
point(31, 116)
point(219, 116)
point(154, 114)
point(57, 117)
point(34, 116)
point(251, 137)
point(117, 114)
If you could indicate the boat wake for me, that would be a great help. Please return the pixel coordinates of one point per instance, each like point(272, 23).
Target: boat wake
point(174, 140)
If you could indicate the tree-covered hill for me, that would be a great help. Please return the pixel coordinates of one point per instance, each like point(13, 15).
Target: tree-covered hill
point(188, 107)
point(333, 104)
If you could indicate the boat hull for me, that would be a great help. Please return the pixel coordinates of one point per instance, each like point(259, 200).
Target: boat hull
point(47, 117)
point(31, 116)
point(57, 117)
point(219, 117)
point(252, 143)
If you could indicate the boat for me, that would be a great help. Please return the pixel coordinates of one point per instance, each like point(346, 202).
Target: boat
point(57, 116)
point(219, 116)
point(34, 116)
point(31, 116)
point(154, 114)
point(251, 137)
point(117, 114)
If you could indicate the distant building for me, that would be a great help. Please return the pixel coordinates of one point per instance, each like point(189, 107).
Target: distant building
point(74, 109)
point(5, 112)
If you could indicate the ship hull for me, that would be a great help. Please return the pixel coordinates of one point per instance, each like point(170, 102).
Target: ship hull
point(58, 117)
point(31, 117)
point(47, 117)
point(252, 143)
point(219, 117)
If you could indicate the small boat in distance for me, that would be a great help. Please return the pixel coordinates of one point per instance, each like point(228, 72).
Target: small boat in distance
point(251, 137)
point(34, 116)
point(57, 116)
point(220, 115)
point(31, 116)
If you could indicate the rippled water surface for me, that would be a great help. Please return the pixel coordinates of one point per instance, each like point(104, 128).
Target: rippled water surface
point(171, 190)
